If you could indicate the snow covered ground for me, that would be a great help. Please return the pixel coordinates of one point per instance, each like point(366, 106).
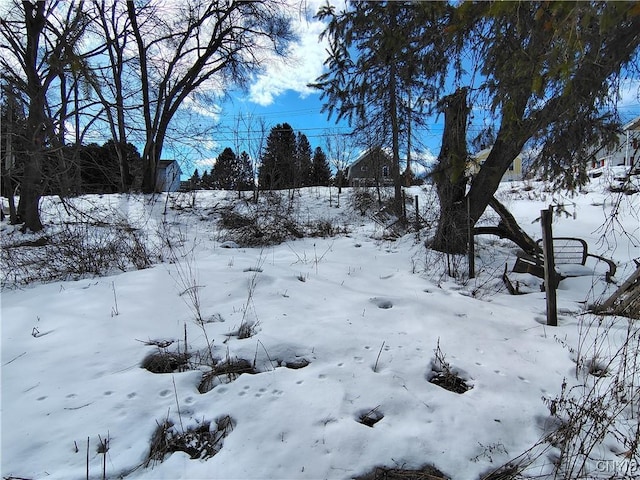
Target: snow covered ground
point(341, 331)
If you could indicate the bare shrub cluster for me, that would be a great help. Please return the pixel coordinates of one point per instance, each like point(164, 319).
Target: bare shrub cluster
point(593, 428)
point(602, 411)
point(271, 222)
point(199, 442)
point(74, 251)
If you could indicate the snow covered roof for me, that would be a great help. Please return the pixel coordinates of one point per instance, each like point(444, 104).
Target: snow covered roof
point(633, 124)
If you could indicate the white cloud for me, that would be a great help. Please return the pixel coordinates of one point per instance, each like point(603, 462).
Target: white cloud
point(204, 164)
point(629, 93)
point(204, 107)
point(303, 64)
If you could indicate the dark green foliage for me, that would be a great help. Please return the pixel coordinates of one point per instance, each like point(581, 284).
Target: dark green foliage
point(225, 171)
point(551, 76)
point(303, 166)
point(387, 62)
point(98, 169)
point(90, 168)
point(245, 180)
point(206, 182)
point(277, 168)
point(321, 171)
point(231, 172)
point(194, 181)
point(550, 73)
point(399, 42)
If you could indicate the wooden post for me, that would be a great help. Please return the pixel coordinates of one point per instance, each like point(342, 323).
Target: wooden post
point(549, 266)
point(472, 250)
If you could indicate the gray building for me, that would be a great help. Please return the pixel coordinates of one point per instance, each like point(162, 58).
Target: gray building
point(168, 176)
point(371, 168)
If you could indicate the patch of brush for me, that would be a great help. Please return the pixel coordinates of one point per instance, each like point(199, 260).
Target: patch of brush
point(427, 472)
point(449, 381)
point(165, 361)
point(200, 442)
point(444, 375)
point(225, 372)
point(370, 417)
point(505, 472)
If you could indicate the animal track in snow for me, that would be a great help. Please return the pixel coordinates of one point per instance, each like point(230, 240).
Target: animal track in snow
point(383, 303)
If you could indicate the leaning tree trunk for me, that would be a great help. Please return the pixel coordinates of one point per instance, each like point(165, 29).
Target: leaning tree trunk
point(449, 176)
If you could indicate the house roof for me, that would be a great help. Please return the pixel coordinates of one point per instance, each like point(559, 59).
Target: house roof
point(633, 124)
point(166, 163)
point(367, 153)
point(483, 154)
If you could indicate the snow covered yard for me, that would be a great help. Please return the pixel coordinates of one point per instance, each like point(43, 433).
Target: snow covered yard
point(343, 335)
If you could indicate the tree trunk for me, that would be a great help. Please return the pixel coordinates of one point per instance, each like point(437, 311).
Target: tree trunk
point(7, 166)
point(509, 228)
point(149, 172)
point(395, 143)
point(449, 176)
point(30, 192)
point(31, 185)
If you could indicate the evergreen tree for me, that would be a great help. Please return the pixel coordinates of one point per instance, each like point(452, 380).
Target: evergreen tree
point(303, 161)
point(206, 183)
point(194, 181)
point(374, 78)
point(321, 171)
point(245, 179)
point(550, 72)
point(278, 159)
point(225, 173)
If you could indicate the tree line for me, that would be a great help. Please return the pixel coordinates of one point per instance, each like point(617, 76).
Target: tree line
point(286, 162)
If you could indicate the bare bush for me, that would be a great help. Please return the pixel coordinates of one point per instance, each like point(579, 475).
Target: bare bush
point(74, 251)
point(199, 442)
point(271, 222)
point(593, 428)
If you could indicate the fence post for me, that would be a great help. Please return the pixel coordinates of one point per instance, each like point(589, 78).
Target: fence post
point(546, 217)
point(404, 206)
point(472, 250)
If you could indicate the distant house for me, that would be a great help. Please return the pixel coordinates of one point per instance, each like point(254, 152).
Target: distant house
point(168, 176)
point(513, 173)
point(371, 168)
point(627, 150)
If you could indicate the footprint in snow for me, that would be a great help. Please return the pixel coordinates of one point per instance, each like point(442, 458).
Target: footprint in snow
point(383, 303)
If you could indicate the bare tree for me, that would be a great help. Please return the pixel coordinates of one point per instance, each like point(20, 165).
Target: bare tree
point(255, 129)
point(113, 25)
point(35, 53)
point(341, 152)
point(193, 46)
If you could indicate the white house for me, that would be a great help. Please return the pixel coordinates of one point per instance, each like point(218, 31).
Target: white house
point(168, 176)
point(626, 152)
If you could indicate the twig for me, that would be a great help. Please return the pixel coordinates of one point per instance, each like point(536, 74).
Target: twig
point(15, 358)
point(114, 310)
point(175, 391)
point(265, 351)
point(375, 367)
point(87, 458)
